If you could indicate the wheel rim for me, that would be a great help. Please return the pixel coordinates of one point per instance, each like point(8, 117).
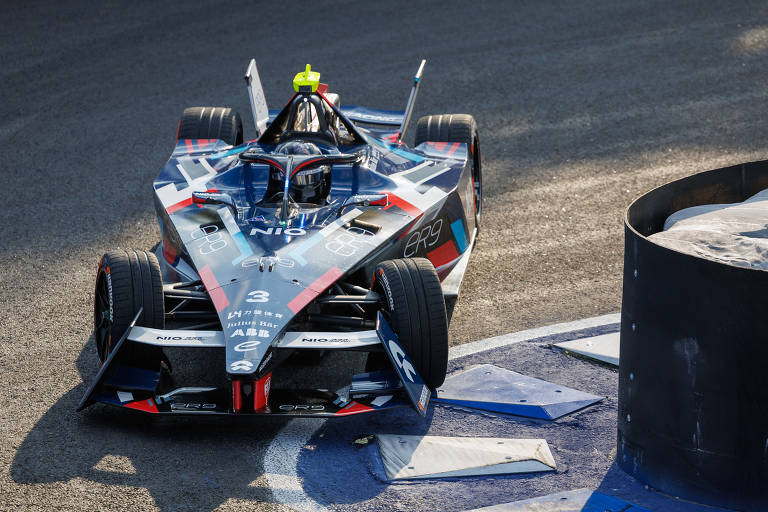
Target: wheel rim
point(102, 322)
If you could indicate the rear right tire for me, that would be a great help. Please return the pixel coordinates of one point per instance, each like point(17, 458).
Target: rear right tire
point(457, 128)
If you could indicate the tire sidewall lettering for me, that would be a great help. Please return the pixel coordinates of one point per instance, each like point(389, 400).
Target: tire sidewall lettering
point(387, 291)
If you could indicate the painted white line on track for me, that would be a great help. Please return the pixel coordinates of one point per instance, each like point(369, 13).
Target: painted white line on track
point(531, 334)
point(280, 462)
point(281, 457)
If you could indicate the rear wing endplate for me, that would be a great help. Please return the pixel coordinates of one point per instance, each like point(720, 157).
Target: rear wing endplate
point(258, 99)
point(411, 101)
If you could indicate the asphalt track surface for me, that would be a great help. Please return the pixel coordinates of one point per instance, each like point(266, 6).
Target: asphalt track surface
point(582, 106)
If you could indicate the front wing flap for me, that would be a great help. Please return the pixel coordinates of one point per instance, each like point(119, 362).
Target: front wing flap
point(314, 403)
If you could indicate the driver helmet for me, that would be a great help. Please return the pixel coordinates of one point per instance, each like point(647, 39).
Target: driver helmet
point(308, 185)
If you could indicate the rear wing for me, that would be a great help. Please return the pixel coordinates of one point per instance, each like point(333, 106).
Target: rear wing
point(363, 115)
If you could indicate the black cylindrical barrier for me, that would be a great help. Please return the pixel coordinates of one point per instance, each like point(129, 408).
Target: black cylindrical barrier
point(693, 371)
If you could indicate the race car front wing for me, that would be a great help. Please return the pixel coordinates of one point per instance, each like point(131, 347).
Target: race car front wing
point(136, 388)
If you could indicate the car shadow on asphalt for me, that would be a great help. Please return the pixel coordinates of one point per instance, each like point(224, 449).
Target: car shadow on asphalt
point(190, 461)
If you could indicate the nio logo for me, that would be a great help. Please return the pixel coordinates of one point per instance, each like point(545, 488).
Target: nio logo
point(278, 231)
point(176, 406)
point(178, 338)
point(326, 340)
point(287, 407)
point(401, 361)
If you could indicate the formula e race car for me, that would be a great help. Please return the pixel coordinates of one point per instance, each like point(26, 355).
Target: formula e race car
point(325, 233)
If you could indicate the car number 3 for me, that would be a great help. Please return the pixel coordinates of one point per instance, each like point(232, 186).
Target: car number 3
point(258, 296)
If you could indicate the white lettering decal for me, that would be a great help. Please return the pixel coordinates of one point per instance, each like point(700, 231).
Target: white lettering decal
point(401, 361)
point(278, 231)
point(247, 346)
point(425, 237)
point(241, 365)
point(258, 296)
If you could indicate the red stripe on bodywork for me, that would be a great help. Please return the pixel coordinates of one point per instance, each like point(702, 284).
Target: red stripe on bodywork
point(190, 147)
point(444, 254)
point(218, 297)
point(186, 202)
point(453, 148)
point(354, 408)
point(314, 289)
point(440, 145)
point(178, 206)
point(261, 392)
point(237, 396)
point(403, 205)
point(169, 251)
point(147, 405)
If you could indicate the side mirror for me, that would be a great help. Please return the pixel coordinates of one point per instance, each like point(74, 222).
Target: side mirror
point(215, 198)
point(364, 200)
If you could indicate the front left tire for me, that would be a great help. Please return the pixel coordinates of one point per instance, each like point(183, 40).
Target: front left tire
point(125, 281)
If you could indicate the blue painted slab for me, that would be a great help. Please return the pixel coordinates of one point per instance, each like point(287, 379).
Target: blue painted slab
point(491, 388)
point(580, 500)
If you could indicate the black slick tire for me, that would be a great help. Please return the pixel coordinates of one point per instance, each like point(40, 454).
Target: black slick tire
point(125, 281)
point(211, 123)
point(413, 304)
point(456, 128)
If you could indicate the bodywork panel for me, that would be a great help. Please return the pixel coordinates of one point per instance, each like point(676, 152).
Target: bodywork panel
point(260, 273)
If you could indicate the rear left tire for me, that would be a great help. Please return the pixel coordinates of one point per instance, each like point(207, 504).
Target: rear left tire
point(211, 123)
